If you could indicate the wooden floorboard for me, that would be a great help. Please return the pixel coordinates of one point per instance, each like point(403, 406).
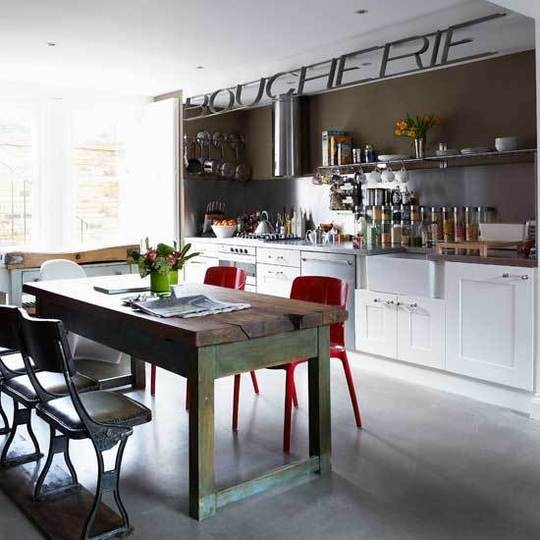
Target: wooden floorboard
point(61, 517)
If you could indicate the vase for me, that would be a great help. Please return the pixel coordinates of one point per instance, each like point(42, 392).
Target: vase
point(173, 277)
point(159, 283)
point(419, 146)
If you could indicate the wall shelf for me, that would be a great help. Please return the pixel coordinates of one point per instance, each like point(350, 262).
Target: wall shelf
point(527, 155)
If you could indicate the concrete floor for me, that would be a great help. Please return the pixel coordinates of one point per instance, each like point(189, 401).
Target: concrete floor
point(428, 465)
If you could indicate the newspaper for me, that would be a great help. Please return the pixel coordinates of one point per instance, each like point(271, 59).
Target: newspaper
point(197, 305)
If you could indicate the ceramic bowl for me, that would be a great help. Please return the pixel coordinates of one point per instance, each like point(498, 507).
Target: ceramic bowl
point(224, 231)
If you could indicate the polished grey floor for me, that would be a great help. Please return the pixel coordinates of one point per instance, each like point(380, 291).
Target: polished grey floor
point(428, 465)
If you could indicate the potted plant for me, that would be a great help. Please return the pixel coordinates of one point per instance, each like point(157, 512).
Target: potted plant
point(155, 262)
point(416, 128)
point(178, 259)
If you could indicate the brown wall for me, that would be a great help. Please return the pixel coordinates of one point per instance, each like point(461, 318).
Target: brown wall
point(476, 103)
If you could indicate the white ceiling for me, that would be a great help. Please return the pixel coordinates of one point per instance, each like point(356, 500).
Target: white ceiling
point(151, 47)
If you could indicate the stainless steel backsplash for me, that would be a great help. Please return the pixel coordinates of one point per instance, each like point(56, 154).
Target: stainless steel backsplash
point(509, 188)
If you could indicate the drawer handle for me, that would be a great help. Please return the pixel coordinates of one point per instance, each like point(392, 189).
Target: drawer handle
point(506, 275)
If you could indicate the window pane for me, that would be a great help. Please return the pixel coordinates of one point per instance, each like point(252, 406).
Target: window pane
point(98, 156)
point(16, 174)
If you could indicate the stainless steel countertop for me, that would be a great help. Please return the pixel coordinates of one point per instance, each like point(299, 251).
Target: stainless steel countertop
point(509, 258)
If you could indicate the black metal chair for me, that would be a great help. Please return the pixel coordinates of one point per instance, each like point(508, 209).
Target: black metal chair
point(11, 362)
point(106, 418)
point(19, 387)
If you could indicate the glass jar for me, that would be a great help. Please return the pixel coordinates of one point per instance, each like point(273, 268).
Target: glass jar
point(459, 224)
point(415, 213)
point(386, 213)
point(471, 223)
point(437, 220)
point(386, 233)
point(376, 213)
point(405, 233)
point(448, 224)
point(395, 235)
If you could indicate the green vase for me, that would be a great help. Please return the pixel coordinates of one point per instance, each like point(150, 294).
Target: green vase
point(173, 277)
point(159, 283)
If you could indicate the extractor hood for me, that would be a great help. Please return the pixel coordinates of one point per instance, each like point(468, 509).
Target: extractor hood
point(286, 136)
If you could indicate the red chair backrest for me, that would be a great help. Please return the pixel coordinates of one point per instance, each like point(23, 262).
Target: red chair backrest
point(323, 290)
point(226, 276)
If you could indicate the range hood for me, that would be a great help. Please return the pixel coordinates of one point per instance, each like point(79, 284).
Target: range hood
point(286, 136)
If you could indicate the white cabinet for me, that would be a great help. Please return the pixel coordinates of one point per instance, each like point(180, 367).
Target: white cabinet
point(406, 328)
point(421, 330)
point(375, 323)
point(490, 323)
point(195, 269)
point(283, 257)
point(276, 280)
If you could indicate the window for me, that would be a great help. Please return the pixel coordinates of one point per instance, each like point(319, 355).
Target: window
point(16, 173)
point(97, 167)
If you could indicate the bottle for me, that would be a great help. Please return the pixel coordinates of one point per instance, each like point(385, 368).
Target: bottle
point(294, 223)
point(386, 232)
point(405, 233)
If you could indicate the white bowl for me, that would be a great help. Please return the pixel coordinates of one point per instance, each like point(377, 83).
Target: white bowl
point(506, 144)
point(224, 231)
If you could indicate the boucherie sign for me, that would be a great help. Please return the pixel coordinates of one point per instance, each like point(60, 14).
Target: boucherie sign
point(404, 56)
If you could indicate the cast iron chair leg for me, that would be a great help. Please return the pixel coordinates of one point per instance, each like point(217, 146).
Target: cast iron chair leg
point(59, 444)
point(6, 429)
point(342, 355)
point(108, 481)
point(20, 417)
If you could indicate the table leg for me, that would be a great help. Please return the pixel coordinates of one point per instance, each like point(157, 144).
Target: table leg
point(320, 435)
point(202, 491)
point(138, 373)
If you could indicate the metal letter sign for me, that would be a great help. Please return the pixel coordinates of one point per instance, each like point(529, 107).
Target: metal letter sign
point(329, 74)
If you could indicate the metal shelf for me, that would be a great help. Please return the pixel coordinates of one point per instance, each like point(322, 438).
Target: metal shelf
point(527, 155)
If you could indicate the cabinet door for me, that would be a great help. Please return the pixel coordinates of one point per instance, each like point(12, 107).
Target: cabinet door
point(421, 330)
point(490, 323)
point(195, 270)
point(276, 280)
point(376, 322)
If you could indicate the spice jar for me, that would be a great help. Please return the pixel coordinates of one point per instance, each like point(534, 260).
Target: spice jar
point(448, 224)
point(471, 223)
point(386, 236)
point(405, 233)
point(437, 220)
point(459, 225)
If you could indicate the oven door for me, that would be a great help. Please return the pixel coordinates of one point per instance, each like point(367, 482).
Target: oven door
point(248, 264)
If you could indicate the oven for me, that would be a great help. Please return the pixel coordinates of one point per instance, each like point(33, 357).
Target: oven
point(240, 257)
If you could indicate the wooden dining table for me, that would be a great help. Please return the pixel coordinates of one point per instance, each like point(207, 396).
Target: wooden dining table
point(272, 331)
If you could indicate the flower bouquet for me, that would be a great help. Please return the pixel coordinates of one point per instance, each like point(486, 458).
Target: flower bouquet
point(416, 128)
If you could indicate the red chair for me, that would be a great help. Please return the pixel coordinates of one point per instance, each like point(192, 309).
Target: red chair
point(231, 278)
point(323, 290)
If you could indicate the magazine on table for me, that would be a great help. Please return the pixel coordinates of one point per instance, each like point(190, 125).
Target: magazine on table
point(184, 306)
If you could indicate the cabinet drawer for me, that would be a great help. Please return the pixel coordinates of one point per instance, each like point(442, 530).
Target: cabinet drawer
point(282, 257)
point(276, 280)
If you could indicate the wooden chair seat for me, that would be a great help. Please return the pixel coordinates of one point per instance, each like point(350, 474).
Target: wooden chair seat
point(21, 389)
point(102, 406)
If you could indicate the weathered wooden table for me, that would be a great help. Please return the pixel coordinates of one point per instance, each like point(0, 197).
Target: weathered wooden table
point(272, 332)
